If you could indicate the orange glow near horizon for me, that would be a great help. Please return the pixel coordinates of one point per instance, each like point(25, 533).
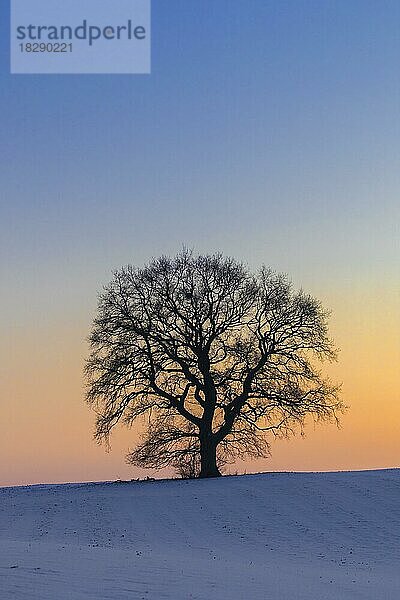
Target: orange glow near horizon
point(47, 427)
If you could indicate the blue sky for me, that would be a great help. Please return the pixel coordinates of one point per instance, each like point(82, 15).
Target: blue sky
point(262, 123)
point(268, 130)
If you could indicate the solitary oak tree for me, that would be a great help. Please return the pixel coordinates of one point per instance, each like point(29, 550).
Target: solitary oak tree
point(214, 357)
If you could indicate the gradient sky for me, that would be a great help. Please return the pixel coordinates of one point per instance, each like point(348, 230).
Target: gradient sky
point(269, 130)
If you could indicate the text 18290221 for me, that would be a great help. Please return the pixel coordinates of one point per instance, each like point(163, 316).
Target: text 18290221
point(46, 47)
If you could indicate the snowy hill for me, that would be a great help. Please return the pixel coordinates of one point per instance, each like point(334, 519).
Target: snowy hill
point(271, 536)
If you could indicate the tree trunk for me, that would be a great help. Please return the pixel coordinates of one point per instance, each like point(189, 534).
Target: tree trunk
point(208, 456)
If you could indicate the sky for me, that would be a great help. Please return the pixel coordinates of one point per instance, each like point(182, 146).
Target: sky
point(267, 130)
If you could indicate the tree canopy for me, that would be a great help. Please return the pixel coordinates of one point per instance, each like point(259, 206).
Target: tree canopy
point(217, 359)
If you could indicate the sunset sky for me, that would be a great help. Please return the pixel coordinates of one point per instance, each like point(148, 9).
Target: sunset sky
point(268, 130)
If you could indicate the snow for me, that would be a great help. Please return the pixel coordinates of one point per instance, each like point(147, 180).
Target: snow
point(300, 536)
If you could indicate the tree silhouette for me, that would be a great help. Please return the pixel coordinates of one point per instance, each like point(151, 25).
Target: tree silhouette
point(215, 357)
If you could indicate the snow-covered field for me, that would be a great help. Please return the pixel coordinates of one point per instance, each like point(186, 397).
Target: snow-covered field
point(272, 536)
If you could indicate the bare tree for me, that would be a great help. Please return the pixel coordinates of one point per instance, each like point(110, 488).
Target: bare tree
point(215, 357)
